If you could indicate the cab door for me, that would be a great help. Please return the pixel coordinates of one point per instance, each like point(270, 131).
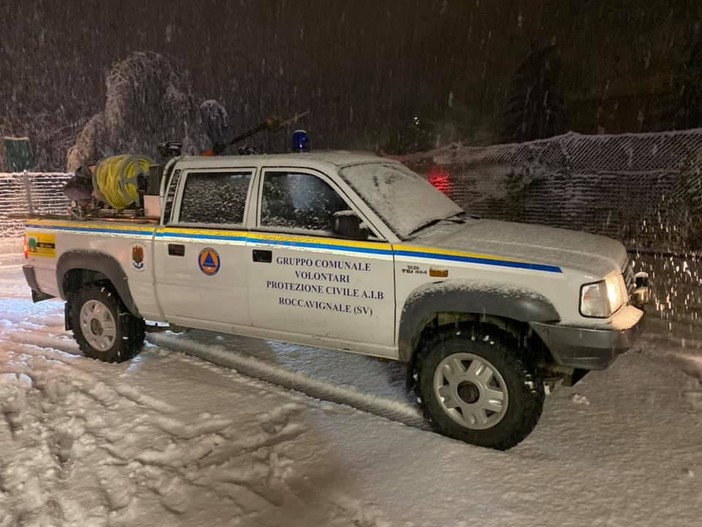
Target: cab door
point(304, 279)
point(200, 254)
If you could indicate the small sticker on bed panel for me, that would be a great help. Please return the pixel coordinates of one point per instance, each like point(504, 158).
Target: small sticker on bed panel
point(138, 257)
point(41, 244)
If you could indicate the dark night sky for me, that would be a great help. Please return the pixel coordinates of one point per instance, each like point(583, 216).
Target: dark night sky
point(361, 67)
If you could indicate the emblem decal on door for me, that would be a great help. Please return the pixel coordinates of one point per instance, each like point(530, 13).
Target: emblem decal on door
point(209, 261)
point(138, 257)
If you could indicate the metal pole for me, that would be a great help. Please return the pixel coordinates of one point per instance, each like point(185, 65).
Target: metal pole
point(28, 188)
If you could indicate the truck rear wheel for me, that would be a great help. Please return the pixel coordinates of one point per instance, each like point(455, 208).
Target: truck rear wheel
point(103, 327)
point(474, 386)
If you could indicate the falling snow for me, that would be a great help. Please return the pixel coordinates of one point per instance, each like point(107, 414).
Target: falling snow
point(178, 436)
point(582, 115)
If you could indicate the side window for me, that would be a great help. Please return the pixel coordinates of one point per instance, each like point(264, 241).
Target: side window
point(300, 201)
point(214, 197)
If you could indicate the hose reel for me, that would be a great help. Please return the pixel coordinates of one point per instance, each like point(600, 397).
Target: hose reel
point(115, 178)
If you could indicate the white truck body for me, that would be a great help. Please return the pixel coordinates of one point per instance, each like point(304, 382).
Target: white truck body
point(264, 277)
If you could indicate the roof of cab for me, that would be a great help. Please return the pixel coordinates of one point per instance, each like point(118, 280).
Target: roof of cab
point(337, 158)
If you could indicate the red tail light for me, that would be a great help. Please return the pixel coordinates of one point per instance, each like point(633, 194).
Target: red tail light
point(440, 178)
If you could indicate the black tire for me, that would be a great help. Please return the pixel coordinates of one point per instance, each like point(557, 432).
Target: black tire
point(121, 342)
point(494, 351)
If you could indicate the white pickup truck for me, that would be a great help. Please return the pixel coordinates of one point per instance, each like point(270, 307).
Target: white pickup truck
point(356, 253)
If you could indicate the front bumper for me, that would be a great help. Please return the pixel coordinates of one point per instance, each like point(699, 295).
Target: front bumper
point(592, 348)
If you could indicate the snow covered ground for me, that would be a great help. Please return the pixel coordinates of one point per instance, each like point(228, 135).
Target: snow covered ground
point(172, 439)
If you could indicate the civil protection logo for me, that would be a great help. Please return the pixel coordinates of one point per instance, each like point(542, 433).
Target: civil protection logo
point(209, 261)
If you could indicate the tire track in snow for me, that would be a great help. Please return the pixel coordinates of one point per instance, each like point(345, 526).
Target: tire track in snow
point(318, 389)
point(62, 348)
point(261, 370)
point(58, 412)
point(60, 343)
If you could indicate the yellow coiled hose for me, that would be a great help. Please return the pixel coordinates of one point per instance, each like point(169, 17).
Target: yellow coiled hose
point(115, 178)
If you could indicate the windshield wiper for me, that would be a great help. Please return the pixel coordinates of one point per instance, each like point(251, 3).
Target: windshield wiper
point(455, 218)
point(462, 216)
point(427, 224)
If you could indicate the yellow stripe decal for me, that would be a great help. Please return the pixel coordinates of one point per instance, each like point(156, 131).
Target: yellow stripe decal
point(309, 242)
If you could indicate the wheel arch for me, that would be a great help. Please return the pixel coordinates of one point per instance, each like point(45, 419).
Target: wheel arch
point(507, 306)
point(77, 268)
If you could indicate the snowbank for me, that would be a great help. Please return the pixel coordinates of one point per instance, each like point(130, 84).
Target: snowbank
point(10, 247)
point(169, 439)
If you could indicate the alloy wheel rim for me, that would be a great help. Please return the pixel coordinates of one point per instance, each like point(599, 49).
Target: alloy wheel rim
point(98, 325)
point(471, 391)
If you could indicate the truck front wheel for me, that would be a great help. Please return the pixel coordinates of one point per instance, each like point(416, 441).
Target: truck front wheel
point(103, 327)
point(474, 386)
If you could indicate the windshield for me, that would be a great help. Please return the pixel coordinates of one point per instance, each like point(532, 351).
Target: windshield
point(404, 200)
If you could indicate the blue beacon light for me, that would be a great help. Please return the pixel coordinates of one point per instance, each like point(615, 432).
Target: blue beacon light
point(300, 141)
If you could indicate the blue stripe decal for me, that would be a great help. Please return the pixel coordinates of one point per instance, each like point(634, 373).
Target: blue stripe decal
point(482, 261)
point(341, 248)
point(201, 236)
point(92, 230)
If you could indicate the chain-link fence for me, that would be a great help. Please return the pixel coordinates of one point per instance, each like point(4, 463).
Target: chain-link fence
point(27, 193)
point(643, 189)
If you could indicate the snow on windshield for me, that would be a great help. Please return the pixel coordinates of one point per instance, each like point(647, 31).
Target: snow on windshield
point(403, 199)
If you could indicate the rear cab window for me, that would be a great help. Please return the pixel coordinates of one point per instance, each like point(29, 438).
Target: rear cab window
point(214, 197)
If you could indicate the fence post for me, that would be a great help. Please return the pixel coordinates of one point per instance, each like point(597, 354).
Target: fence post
point(28, 188)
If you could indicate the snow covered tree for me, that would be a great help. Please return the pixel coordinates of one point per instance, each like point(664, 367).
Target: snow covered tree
point(683, 112)
point(215, 122)
point(149, 100)
point(413, 136)
point(535, 107)
point(686, 100)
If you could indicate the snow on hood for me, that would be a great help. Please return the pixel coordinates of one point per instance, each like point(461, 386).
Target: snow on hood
point(589, 253)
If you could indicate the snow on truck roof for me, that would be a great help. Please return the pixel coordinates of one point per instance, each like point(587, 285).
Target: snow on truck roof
point(337, 158)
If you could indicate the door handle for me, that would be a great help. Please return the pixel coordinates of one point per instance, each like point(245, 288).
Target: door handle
point(176, 249)
point(261, 255)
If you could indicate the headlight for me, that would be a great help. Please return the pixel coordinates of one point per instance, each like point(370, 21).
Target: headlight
point(601, 299)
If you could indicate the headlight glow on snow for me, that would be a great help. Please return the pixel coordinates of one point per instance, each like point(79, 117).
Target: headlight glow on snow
point(616, 291)
point(601, 299)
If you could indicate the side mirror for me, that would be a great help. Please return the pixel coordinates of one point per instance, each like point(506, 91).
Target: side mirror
point(347, 224)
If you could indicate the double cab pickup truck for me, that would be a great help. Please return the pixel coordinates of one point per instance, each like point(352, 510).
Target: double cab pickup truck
point(357, 253)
